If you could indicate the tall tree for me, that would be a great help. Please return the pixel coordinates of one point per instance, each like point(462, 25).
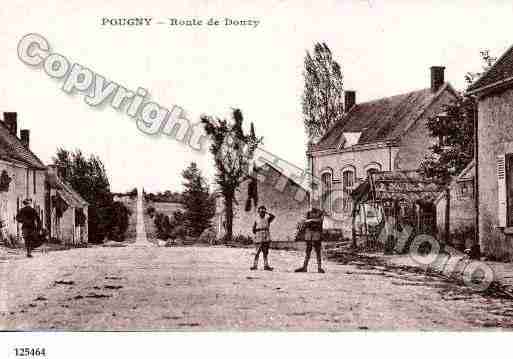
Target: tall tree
point(454, 148)
point(323, 92)
point(233, 153)
point(454, 129)
point(89, 178)
point(199, 205)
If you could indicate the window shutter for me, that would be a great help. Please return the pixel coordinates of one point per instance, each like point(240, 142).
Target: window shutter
point(501, 190)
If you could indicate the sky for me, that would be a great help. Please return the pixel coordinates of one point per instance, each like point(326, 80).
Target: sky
point(384, 48)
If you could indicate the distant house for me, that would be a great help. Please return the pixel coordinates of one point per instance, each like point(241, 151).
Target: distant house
point(387, 134)
point(494, 160)
point(67, 211)
point(461, 206)
point(22, 175)
point(281, 196)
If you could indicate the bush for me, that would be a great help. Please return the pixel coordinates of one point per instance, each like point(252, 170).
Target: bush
point(460, 237)
point(166, 225)
point(208, 236)
point(179, 232)
point(243, 239)
point(118, 217)
point(151, 211)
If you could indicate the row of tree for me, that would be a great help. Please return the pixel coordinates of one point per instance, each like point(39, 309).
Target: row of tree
point(167, 196)
point(107, 219)
point(198, 208)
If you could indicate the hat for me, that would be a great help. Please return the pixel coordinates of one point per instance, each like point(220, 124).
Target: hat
point(27, 201)
point(261, 207)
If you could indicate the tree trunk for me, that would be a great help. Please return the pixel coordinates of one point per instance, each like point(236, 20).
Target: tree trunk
point(229, 218)
point(447, 234)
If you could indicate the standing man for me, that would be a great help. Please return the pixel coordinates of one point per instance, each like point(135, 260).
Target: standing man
point(262, 236)
point(313, 233)
point(31, 223)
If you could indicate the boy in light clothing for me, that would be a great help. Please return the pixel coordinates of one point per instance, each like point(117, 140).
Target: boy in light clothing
point(262, 236)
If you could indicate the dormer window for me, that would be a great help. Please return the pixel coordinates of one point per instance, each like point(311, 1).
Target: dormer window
point(350, 139)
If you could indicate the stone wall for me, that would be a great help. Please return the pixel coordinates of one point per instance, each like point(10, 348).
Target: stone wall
point(22, 186)
point(495, 136)
point(462, 211)
point(283, 198)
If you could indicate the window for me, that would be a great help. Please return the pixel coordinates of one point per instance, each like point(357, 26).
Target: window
point(371, 171)
point(509, 188)
point(347, 187)
point(347, 180)
point(372, 167)
point(465, 189)
point(27, 183)
point(505, 190)
point(326, 192)
point(34, 180)
point(442, 140)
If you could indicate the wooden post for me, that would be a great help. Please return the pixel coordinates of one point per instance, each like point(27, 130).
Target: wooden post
point(447, 236)
point(353, 230)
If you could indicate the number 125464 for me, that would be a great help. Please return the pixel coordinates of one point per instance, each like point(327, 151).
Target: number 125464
point(30, 352)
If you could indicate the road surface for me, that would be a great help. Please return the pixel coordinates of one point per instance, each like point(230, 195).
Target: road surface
point(208, 288)
point(143, 286)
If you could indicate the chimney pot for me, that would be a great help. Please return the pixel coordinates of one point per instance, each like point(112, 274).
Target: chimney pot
point(25, 137)
point(11, 122)
point(437, 77)
point(349, 100)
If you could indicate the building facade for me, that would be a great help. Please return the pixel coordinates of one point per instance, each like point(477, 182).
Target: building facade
point(382, 135)
point(67, 214)
point(22, 175)
point(494, 158)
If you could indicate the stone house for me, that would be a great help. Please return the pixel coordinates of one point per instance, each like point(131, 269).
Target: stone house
point(494, 158)
point(386, 134)
point(461, 206)
point(281, 195)
point(67, 212)
point(22, 175)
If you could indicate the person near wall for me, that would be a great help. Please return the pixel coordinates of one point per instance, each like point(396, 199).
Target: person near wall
point(30, 224)
point(313, 234)
point(261, 230)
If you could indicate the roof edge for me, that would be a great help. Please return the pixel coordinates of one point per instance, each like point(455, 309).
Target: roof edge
point(475, 86)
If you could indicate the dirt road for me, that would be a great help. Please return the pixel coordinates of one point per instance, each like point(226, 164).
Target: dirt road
point(207, 288)
point(143, 286)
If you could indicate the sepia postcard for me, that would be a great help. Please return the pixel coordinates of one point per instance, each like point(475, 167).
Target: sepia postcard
point(234, 166)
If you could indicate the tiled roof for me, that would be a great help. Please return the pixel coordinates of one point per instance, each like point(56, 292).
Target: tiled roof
point(379, 120)
point(12, 147)
point(68, 193)
point(501, 70)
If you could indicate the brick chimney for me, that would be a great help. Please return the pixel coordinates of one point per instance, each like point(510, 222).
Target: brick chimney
point(58, 170)
point(437, 77)
point(25, 137)
point(349, 100)
point(11, 122)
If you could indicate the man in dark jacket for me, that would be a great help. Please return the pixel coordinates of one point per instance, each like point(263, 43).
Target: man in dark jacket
point(313, 237)
point(30, 224)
